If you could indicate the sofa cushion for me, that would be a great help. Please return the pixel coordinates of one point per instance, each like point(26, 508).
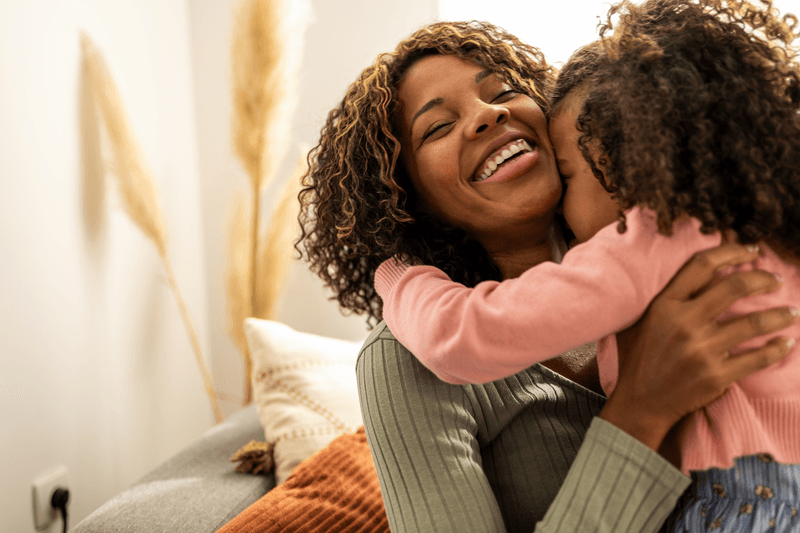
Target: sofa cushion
point(336, 490)
point(195, 491)
point(305, 388)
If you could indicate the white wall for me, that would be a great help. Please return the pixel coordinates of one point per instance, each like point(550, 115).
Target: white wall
point(343, 38)
point(96, 370)
point(556, 28)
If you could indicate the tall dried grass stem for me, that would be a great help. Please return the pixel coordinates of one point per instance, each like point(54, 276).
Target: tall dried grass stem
point(238, 274)
point(265, 59)
point(136, 184)
point(207, 381)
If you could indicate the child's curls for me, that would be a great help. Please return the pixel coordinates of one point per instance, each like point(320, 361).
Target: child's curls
point(693, 110)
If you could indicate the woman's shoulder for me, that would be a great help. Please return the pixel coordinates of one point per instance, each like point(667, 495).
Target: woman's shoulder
point(382, 345)
point(379, 332)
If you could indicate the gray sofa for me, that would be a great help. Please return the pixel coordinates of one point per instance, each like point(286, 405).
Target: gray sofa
point(195, 491)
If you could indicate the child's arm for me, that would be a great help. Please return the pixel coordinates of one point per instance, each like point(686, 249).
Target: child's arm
point(499, 328)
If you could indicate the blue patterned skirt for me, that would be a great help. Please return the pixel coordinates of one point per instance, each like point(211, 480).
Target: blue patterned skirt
point(756, 495)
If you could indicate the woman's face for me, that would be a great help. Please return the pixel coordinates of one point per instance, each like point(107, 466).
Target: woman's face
point(477, 152)
point(587, 206)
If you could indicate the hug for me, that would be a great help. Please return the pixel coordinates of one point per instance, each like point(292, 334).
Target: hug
point(584, 281)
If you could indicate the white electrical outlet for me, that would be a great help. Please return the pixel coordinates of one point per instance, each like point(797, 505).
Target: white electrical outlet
point(43, 487)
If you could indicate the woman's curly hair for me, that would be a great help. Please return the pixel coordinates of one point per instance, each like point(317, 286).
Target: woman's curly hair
point(358, 207)
point(692, 109)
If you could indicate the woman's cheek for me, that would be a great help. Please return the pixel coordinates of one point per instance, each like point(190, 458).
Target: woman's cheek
point(443, 162)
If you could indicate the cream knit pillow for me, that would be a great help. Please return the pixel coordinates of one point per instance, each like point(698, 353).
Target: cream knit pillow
point(304, 386)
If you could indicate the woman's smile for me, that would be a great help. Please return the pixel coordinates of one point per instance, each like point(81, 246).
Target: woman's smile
point(513, 159)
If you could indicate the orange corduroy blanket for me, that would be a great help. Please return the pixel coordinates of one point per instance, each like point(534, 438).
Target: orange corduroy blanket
point(335, 490)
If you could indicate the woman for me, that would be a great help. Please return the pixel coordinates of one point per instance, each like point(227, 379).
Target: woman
point(493, 457)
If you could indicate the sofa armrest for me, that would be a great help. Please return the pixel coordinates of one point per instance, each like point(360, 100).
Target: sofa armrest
point(195, 491)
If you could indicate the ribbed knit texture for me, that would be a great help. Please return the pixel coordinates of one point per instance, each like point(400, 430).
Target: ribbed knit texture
point(388, 274)
point(334, 491)
point(602, 286)
point(739, 425)
point(491, 458)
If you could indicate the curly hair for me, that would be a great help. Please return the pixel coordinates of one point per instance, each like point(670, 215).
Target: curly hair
point(358, 207)
point(693, 110)
point(575, 73)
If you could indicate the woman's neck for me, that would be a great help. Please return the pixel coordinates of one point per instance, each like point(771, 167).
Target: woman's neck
point(514, 262)
point(512, 265)
point(579, 366)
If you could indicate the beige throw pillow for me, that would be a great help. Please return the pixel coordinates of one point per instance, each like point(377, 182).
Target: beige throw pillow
point(304, 386)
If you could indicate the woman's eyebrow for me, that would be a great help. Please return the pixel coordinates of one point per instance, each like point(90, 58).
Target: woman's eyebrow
point(482, 75)
point(427, 107)
point(479, 77)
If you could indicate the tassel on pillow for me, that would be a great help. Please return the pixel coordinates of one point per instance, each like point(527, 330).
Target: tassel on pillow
point(254, 458)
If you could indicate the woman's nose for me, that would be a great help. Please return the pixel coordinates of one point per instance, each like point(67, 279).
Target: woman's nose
point(488, 116)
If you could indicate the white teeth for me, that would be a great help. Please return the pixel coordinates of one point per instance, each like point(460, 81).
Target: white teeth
point(519, 146)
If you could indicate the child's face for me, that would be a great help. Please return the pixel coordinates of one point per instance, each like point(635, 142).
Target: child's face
point(586, 205)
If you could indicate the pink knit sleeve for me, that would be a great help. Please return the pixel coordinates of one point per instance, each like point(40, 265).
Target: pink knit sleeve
point(499, 328)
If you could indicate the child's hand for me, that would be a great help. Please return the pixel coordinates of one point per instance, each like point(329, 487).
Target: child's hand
point(675, 360)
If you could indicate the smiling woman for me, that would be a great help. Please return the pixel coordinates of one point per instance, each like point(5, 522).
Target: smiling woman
point(457, 118)
point(401, 170)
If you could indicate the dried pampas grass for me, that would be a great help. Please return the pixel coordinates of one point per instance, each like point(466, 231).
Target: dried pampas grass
point(136, 184)
point(134, 178)
point(265, 58)
point(276, 250)
point(278, 247)
point(238, 274)
point(256, 57)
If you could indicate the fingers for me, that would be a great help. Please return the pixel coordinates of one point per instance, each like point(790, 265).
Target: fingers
point(724, 292)
point(741, 328)
point(703, 267)
point(745, 363)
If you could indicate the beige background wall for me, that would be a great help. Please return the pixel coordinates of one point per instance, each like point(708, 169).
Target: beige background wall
point(96, 370)
point(341, 39)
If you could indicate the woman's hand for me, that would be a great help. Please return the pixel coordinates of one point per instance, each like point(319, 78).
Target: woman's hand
point(675, 359)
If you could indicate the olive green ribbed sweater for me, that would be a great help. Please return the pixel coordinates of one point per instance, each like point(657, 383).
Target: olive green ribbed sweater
point(492, 458)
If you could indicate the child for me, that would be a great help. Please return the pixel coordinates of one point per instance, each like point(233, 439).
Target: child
point(687, 123)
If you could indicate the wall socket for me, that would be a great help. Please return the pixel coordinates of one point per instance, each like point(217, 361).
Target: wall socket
point(43, 487)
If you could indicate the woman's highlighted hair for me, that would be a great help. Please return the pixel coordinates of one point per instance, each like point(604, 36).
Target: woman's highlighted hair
point(358, 206)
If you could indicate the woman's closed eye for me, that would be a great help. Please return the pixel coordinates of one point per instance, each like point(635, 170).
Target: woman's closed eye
point(505, 95)
point(439, 128)
point(435, 128)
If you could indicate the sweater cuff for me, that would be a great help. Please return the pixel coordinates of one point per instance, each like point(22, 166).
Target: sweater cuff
point(387, 275)
point(615, 484)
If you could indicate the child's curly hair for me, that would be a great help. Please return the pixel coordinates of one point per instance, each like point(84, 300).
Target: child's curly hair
point(358, 207)
point(692, 109)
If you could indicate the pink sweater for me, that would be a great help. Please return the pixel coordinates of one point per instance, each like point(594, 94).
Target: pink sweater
point(602, 286)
